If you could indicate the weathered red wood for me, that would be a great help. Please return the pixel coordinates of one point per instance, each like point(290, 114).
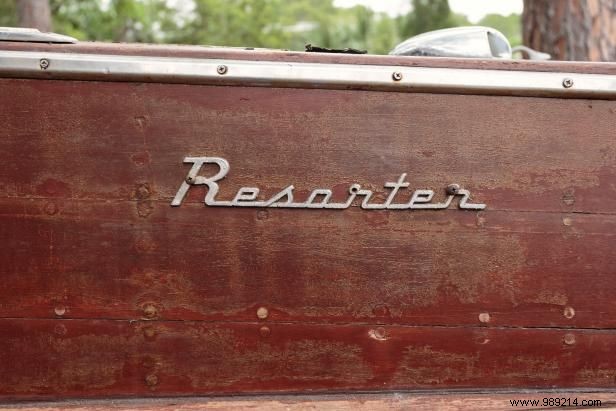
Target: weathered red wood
point(524, 269)
point(94, 165)
point(98, 358)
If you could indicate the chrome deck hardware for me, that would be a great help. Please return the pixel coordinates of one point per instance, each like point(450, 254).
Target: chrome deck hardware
point(469, 42)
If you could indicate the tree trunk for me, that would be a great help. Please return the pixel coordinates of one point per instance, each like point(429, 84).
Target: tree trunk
point(34, 14)
point(571, 29)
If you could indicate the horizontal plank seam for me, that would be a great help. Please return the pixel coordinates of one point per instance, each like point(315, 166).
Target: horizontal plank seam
point(321, 394)
point(352, 207)
point(317, 323)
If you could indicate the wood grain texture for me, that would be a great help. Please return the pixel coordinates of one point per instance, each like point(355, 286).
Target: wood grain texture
point(119, 358)
point(453, 401)
point(91, 245)
point(93, 174)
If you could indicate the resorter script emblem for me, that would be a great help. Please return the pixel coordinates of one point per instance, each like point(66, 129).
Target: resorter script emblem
point(319, 198)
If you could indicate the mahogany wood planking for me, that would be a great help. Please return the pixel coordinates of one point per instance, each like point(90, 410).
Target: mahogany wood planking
point(110, 291)
point(45, 359)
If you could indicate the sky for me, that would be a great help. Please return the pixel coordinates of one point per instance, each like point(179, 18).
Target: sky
point(473, 9)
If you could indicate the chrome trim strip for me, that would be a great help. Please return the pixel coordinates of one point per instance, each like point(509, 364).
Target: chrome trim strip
point(32, 36)
point(29, 64)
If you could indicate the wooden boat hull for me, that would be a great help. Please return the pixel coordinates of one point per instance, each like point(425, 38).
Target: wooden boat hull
point(111, 291)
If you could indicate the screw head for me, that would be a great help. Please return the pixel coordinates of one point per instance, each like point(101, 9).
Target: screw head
point(151, 380)
point(484, 318)
point(150, 311)
point(189, 180)
point(569, 339)
point(453, 189)
point(44, 64)
point(379, 333)
point(568, 83)
point(397, 76)
point(569, 312)
point(222, 69)
point(262, 313)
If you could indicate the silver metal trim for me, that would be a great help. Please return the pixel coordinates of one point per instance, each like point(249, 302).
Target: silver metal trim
point(27, 64)
point(32, 36)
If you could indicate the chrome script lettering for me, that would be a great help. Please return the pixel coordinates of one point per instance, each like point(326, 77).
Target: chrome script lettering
point(319, 198)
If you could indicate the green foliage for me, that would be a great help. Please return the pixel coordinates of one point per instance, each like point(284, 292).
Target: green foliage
point(115, 20)
point(510, 26)
point(285, 24)
point(428, 15)
point(8, 13)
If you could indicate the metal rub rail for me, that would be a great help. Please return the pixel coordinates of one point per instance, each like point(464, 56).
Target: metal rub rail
point(72, 66)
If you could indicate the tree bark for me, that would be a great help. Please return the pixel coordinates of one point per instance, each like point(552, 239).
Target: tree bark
point(571, 29)
point(34, 14)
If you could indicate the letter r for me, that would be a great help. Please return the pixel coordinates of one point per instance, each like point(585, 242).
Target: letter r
point(192, 178)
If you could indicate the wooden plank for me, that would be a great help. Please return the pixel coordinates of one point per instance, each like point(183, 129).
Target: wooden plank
point(454, 401)
point(95, 166)
point(110, 358)
point(524, 269)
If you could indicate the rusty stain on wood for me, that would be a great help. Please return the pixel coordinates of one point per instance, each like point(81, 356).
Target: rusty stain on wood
point(97, 358)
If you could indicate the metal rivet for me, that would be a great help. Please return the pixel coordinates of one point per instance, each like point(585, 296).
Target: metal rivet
point(569, 339)
point(262, 313)
point(397, 76)
point(59, 310)
point(222, 69)
point(264, 331)
point(379, 333)
point(567, 83)
point(567, 221)
point(151, 380)
point(44, 64)
point(150, 311)
point(484, 317)
point(453, 189)
point(569, 312)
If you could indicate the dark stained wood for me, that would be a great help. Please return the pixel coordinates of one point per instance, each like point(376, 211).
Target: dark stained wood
point(93, 173)
point(297, 56)
point(100, 358)
point(517, 296)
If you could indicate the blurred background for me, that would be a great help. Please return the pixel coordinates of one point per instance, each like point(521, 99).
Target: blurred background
point(566, 29)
